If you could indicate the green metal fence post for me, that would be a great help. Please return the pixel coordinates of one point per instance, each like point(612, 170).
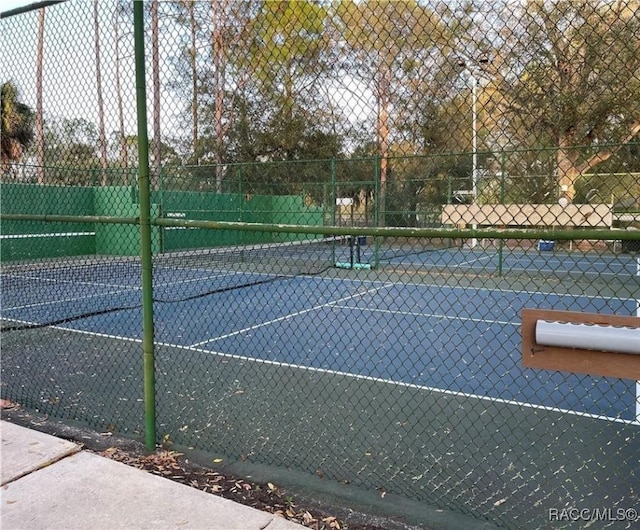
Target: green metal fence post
point(161, 210)
point(501, 242)
point(334, 195)
point(243, 209)
point(376, 209)
point(145, 229)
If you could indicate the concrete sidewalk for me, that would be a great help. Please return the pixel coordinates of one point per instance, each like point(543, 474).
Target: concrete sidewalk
point(49, 483)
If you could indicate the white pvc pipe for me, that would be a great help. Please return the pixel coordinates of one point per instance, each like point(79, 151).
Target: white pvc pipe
point(588, 336)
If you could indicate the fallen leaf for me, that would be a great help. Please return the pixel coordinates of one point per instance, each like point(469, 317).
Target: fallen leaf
point(6, 404)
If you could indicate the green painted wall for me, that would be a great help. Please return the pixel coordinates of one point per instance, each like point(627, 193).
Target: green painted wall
point(70, 239)
point(230, 207)
point(115, 239)
point(47, 239)
point(290, 209)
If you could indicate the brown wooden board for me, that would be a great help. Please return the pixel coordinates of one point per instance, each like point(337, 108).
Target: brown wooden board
point(575, 360)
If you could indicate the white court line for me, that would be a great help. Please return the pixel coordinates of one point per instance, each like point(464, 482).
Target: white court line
point(289, 316)
point(66, 300)
point(569, 272)
point(267, 362)
point(550, 262)
point(53, 234)
point(512, 291)
point(215, 276)
point(62, 280)
point(428, 315)
point(481, 258)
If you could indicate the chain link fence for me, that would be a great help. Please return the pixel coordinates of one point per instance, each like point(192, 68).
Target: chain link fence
point(351, 205)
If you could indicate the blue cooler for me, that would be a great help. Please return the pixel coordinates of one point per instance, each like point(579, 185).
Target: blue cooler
point(546, 245)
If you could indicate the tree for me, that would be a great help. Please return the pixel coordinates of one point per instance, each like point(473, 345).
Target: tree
point(189, 66)
point(155, 73)
point(575, 77)
point(17, 125)
point(193, 69)
point(39, 104)
point(101, 127)
point(386, 42)
point(124, 159)
point(218, 52)
point(207, 78)
point(75, 142)
point(285, 56)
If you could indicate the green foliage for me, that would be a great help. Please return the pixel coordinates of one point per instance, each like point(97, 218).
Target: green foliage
point(264, 82)
point(573, 79)
point(17, 120)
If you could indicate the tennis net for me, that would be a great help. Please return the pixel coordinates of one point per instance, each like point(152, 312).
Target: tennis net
point(56, 291)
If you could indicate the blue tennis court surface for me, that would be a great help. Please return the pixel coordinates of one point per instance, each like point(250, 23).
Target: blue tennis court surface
point(451, 339)
point(508, 260)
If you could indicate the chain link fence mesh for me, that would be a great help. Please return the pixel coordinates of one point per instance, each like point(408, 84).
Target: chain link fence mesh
point(352, 202)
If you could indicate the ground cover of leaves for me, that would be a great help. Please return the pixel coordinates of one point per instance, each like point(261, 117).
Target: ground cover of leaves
point(173, 465)
point(266, 497)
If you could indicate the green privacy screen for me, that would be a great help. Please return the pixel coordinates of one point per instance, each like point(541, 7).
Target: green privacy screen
point(69, 239)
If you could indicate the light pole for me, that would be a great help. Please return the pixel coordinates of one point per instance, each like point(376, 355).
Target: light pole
point(474, 135)
point(482, 60)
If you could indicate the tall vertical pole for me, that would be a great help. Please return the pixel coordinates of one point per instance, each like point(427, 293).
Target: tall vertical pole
point(474, 136)
point(332, 199)
point(39, 103)
point(377, 214)
point(501, 241)
point(145, 229)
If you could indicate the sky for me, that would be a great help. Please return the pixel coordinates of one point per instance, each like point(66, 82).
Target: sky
point(7, 5)
point(69, 66)
point(69, 77)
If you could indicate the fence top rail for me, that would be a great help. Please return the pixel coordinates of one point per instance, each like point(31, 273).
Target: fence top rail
point(610, 234)
point(29, 7)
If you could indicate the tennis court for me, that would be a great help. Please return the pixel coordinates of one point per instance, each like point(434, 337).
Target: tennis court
point(273, 356)
point(495, 258)
point(426, 335)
